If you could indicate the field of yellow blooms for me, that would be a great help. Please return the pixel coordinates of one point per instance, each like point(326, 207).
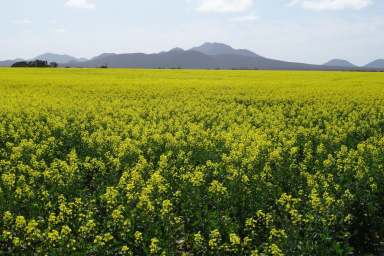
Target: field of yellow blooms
point(177, 162)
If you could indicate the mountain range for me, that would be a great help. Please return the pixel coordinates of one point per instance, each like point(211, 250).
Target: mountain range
point(206, 56)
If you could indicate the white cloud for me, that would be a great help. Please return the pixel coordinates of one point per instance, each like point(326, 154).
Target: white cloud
point(84, 4)
point(321, 5)
point(224, 5)
point(24, 21)
point(245, 18)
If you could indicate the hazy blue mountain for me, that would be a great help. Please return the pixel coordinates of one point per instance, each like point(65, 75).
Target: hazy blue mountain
point(103, 55)
point(222, 49)
point(179, 58)
point(59, 58)
point(171, 59)
point(8, 63)
point(206, 56)
point(340, 63)
point(376, 64)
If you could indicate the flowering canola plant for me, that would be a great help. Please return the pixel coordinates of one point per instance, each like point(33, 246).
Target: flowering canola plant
point(178, 162)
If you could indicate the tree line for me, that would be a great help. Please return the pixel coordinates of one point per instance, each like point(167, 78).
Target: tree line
point(35, 64)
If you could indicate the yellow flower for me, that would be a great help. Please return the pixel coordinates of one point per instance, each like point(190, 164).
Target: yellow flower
point(275, 250)
point(275, 155)
point(65, 231)
point(20, 222)
point(108, 237)
point(154, 246)
point(315, 200)
point(245, 179)
point(117, 215)
point(125, 250)
point(16, 241)
point(348, 219)
point(9, 179)
point(277, 234)
point(99, 241)
point(197, 178)
point(7, 234)
point(8, 218)
point(32, 230)
point(167, 207)
point(255, 253)
point(217, 188)
point(234, 239)
point(214, 239)
point(53, 236)
point(327, 163)
point(198, 240)
point(52, 219)
point(88, 227)
point(247, 241)
point(110, 196)
point(138, 237)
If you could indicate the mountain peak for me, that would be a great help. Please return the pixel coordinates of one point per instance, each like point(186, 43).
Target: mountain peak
point(340, 63)
point(177, 49)
point(379, 63)
point(103, 55)
point(53, 57)
point(215, 48)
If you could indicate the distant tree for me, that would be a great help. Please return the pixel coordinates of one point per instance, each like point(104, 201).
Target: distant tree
point(31, 64)
point(104, 66)
point(39, 64)
point(54, 64)
point(20, 64)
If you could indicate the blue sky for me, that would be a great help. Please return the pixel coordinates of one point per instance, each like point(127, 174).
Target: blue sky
point(312, 31)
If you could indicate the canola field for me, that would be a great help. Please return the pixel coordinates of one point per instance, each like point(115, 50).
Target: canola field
point(177, 162)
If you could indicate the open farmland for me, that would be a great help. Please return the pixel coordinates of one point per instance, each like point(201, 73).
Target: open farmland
point(176, 162)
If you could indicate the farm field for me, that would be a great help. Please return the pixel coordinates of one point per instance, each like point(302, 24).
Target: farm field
point(191, 162)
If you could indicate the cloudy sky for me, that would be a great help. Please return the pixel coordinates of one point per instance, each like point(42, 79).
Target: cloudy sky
point(312, 31)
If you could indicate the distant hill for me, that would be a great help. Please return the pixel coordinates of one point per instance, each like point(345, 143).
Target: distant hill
point(171, 59)
point(222, 49)
point(8, 63)
point(340, 63)
point(376, 64)
point(58, 58)
point(103, 55)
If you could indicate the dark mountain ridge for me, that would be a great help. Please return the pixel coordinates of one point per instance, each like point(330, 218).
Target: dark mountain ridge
point(206, 56)
point(213, 49)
